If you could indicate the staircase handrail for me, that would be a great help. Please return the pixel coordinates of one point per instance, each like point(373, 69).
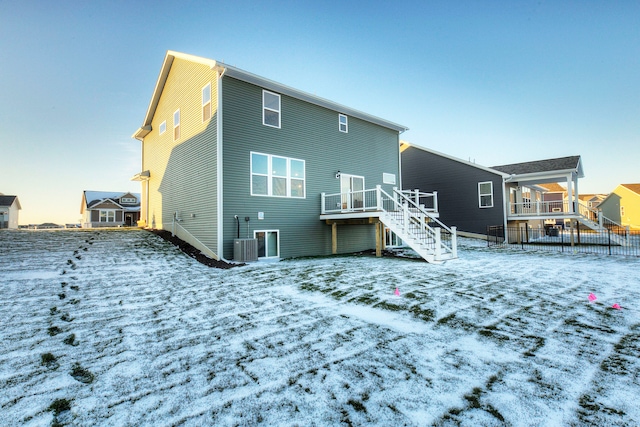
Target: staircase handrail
point(421, 209)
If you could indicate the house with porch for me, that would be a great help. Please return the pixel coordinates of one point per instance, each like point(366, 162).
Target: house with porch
point(9, 211)
point(109, 209)
point(243, 167)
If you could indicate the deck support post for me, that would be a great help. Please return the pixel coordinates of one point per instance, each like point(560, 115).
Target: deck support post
point(334, 238)
point(379, 231)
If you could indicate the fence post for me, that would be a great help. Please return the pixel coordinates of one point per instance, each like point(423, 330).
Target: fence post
point(435, 201)
point(609, 238)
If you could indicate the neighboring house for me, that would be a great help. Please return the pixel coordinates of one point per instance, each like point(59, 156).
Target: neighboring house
point(9, 211)
point(469, 196)
point(229, 155)
point(622, 205)
point(109, 209)
point(475, 198)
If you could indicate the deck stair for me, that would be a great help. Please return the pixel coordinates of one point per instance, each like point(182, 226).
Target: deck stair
point(417, 226)
point(619, 234)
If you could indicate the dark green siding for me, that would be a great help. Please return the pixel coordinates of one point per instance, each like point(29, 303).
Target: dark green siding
point(457, 187)
point(310, 133)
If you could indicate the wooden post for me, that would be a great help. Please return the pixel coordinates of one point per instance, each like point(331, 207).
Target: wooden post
point(378, 239)
point(334, 238)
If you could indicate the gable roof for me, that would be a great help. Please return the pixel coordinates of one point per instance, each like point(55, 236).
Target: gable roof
point(237, 73)
point(560, 164)
point(90, 198)
point(8, 201)
point(633, 187)
point(404, 145)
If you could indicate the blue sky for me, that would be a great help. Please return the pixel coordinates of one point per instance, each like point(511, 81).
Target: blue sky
point(493, 82)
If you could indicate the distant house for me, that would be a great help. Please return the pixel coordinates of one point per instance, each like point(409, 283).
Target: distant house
point(9, 211)
point(230, 156)
point(470, 196)
point(475, 198)
point(622, 205)
point(109, 209)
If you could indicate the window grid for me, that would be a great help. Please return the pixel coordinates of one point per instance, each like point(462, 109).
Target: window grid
point(107, 216)
point(485, 194)
point(270, 109)
point(206, 102)
point(176, 125)
point(277, 176)
point(343, 123)
point(163, 127)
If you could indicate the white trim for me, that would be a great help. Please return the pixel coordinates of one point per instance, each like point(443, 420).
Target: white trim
point(481, 194)
point(346, 123)
point(255, 232)
point(265, 109)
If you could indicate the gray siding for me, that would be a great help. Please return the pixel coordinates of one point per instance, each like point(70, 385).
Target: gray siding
point(457, 187)
point(310, 133)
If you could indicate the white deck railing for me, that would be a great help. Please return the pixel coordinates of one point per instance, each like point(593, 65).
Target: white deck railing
point(375, 199)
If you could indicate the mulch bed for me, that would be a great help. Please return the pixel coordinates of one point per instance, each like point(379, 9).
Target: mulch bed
point(193, 252)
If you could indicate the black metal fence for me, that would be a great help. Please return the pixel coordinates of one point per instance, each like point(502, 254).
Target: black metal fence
point(609, 242)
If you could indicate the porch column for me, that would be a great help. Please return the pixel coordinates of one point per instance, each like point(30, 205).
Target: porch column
point(577, 196)
point(570, 194)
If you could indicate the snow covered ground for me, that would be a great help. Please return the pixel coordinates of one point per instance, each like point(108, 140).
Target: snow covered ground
point(152, 337)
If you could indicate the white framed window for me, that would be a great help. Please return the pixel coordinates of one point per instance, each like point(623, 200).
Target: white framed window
point(206, 102)
point(343, 123)
point(128, 199)
point(270, 109)
point(485, 194)
point(176, 125)
point(268, 243)
point(107, 215)
point(163, 127)
point(277, 176)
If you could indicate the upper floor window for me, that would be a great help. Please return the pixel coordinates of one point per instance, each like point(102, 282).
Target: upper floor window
point(206, 102)
point(163, 127)
point(277, 176)
point(621, 211)
point(343, 123)
point(270, 109)
point(485, 194)
point(128, 200)
point(176, 125)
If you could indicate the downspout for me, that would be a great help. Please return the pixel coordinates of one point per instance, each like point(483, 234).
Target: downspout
point(220, 187)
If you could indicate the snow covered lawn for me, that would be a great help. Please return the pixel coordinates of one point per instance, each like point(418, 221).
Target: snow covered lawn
point(121, 328)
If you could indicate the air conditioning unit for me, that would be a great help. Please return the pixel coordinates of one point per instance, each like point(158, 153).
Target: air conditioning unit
point(245, 250)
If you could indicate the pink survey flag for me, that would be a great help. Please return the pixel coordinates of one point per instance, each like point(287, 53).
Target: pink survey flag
point(592, 297)
point(616, 306)
point(397, 292)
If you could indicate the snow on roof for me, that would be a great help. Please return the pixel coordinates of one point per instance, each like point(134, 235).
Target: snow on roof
point(93, 196)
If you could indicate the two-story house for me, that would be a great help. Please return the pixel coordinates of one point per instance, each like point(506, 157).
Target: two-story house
point(109, 209)
point(229, 155)
point(9, 211)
